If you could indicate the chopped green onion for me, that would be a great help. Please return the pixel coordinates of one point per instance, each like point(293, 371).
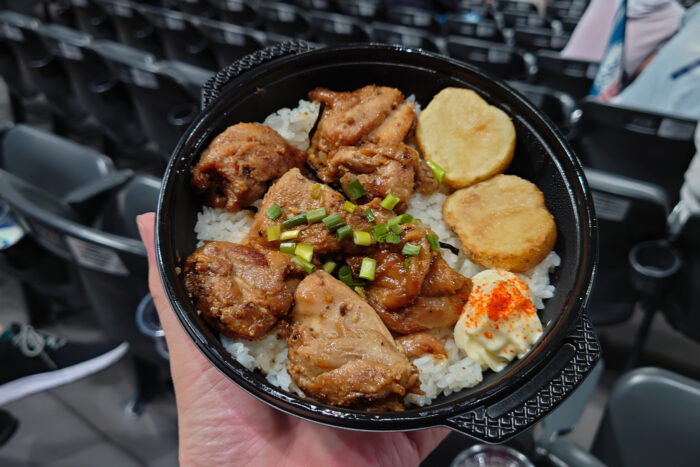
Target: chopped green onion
point(315, 215)
point(361, 238)
point(288, 247)
point(361, 292)
point(367, 269)
point(410, 249)
point(438, 172)
point(349, 207)
point(329, 266)
point(418, 222)
point(346, 277)
point(316, 191)
point(305, 251)
point(396, 228)
point(289, 234)
point(393, 238)
point(274, 211)
point(370, 215)
point(379, 231)
point(305, 265)
point(433, 241)
point(343, 232)
point(402, 219)
point(273, 232)
point(294, 221)
point(355, 190)
point(407, 263)
point(390, 201)
point(332, 221)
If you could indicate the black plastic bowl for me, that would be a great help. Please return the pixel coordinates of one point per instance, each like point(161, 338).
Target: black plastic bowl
point(505, 403)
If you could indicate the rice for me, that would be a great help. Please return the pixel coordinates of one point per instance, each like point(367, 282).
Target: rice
point(438, 376)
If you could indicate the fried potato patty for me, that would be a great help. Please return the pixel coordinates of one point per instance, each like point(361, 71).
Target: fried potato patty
point(502, 223)
point(466, 136)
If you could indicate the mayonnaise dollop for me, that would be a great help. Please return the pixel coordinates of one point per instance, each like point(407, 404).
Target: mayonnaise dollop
point(499, 321)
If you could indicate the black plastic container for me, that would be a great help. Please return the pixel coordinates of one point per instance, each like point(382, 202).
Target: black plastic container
point(504, 403)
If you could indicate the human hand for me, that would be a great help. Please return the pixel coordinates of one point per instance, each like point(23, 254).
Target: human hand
point(220, 424)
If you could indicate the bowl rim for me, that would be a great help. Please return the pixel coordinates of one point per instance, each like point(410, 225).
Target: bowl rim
point(415, 417)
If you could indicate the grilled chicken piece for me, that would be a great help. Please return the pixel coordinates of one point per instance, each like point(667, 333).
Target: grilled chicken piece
point(239, 290)
point(427, 295)
point(425, 181)
point(381, 169)
point(395, 286)
point(341, 353)
point(238, 165)
point(348, 117)
point(292, 193)
point(395, 127)
point(421, 343)
point(439, 304)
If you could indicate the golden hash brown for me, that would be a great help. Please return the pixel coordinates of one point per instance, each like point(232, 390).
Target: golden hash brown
point(502, 223)
point(466, 136)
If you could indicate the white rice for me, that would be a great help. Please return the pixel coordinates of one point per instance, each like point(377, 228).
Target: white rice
point(269, 354)
point(295, 124)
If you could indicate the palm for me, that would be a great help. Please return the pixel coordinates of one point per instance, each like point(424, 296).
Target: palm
point(220, 424)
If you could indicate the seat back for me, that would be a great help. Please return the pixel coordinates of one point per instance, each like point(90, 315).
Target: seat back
point(648, 146)
point(473, 25)
point(413, 17)
point(97, 88)
point(181, 40)
point(517, 6)
point(534, 39)
point(240, 12)
point(91, 18)
point(502, 60)
point(43, 68)
point(331, 28)
point(651, 418)
point(558, 106)
point(564, 74)
point(516, 18)
point(229, 42)
point(60, 12)
point(57, 165)
point(285, 19)
point(204, 8)
point(138, 196)
point(406, 36)
point(132, 27)
point(368, 10)
point(629, 212)
point(33, 8)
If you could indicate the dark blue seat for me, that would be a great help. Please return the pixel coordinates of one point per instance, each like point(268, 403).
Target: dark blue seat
point(132, 27)
point(368, 10)
point(648, 146)
point(473, 25)
point(568, 75)
point(93, 19)
point(331, 28)
point(558, 106)
point(532, 38)
point(504, 61)
point(240, 12)
point(413, 17)
point(406, 36)
point(229, 42)
point(285, 19)
point(180, 38)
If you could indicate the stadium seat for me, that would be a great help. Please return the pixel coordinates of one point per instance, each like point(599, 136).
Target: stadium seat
point(21, 89)
point(47, 74)
point(285, 19)
point(204, 8)
point(517, 6)
point(229, 42)
point(647, 146)
point(472, 25)
point(34, 8)
point(240, 12)
point(408, 37)
point(133, 28)
point(629, 212)
point(61, 12)
point(368, 10)
point(315, 5)
point(558, 106)
point(534, 39)
point(180, 38)
point(564, 74)
point(511, 18)
point(501, 60)
point(93, 19)
point(413, 17)
point(565, 9)
point(165, 94)
point(331, 28)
